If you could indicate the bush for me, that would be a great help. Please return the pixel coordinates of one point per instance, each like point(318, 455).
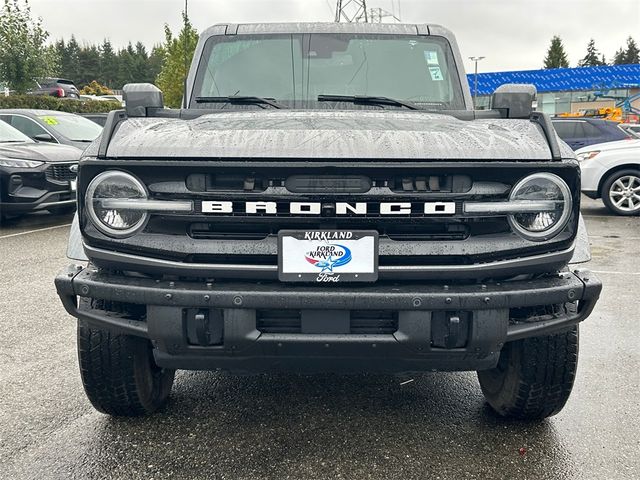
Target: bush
point(42, 102)
point(94, 88)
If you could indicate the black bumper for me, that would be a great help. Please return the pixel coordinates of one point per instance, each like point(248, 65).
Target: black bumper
point(23, 191)
point(325, 346)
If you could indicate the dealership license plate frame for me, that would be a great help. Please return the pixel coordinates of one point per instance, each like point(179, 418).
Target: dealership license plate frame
point(329, 277)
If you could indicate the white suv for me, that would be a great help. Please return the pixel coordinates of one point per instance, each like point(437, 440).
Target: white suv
point(611, 171)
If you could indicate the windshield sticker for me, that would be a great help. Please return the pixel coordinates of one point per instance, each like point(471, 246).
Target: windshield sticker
point(431, 57)
point(436, 74)
point(49, 120)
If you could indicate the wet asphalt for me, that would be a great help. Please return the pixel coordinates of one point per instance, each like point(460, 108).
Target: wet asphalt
point(295, 427)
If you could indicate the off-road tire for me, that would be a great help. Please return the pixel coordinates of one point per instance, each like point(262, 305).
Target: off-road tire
point(119, 374)
point(534, 376)
point(606, 187)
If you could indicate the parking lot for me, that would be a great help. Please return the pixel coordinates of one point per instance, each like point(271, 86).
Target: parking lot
point(218, 426)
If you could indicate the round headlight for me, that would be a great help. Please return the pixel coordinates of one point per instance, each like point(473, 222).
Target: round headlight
point(553, 196)
point(115, 185)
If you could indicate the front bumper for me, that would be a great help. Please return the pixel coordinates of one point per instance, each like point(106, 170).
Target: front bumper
point(27, 190)
point(325, 346)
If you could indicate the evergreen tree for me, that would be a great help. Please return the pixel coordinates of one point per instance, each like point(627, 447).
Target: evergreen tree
point(89, 65)
point(591, 59)
point(23, 54)
point(178, 53)
point(603, 61)
point(108, 65)
point(70, 60)
point(556, 56)
point(619, 57)
point(155, 62)
point(632, 54)
point(140, 72)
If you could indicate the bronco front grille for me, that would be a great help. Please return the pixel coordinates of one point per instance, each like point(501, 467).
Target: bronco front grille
point(235, 236)
point(60, 173)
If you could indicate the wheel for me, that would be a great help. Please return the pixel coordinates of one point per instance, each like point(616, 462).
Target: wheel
point(119, 374)
point(621, 192)
point(534, 376)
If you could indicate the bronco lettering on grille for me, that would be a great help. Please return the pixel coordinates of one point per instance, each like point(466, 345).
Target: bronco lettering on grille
point(340, 208)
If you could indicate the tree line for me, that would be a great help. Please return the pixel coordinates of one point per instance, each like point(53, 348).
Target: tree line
point(26, 55)
point(557, 57)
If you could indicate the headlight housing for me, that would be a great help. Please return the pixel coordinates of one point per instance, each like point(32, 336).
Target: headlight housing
point(554, 197)
point(116, 220)
point(19, 163)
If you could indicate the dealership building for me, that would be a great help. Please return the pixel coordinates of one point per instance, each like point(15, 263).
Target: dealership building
point(568, 90)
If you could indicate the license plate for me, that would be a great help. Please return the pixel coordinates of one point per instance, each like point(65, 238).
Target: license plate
point(327, 256)
point(74, 185)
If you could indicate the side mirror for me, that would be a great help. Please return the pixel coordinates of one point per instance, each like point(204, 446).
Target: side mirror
point(44, 137)
point(140, 98)
point(514, 100)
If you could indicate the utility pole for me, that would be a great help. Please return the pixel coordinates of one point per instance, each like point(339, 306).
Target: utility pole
point(475, 80)
point(351, 11)
point(377, 15)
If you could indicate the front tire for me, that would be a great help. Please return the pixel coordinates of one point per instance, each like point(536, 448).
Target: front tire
point(621, 192)
point(119, 374)
point(534, 376)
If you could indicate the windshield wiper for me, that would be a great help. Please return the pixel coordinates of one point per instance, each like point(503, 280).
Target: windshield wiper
point(239, 100)
point(368, 100)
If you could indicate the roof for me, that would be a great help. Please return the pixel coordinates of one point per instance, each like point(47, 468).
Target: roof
point(319, 27)
point(563, 79)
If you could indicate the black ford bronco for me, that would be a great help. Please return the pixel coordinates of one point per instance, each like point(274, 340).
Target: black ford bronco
point(327, 200)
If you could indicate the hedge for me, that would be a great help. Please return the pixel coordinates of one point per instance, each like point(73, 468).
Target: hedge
point(42, 102)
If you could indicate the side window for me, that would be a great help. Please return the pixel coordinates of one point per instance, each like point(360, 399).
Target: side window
point(26, 126)
point(591, 130)
point(565, 129)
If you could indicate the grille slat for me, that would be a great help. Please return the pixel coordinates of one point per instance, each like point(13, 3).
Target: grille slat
point(362, 322)
point(60, 173)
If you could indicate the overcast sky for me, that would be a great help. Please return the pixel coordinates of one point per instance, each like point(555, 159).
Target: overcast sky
point(511, 34)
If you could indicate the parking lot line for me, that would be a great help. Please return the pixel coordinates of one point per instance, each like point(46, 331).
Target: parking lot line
point(610, 272)
point(34, 231)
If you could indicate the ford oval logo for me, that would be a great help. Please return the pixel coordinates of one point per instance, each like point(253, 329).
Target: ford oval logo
point(74, 168)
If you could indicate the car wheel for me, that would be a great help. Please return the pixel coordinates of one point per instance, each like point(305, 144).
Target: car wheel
point(534, 376)
point(621, 192)
point(119, 374)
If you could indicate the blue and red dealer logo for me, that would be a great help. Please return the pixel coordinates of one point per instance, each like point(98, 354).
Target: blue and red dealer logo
point(328, 257)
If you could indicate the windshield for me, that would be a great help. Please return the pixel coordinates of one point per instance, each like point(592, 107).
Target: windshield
point(8, 134)
point(295, 69)
point(74, 127)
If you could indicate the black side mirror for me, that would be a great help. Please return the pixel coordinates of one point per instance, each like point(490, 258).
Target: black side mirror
point(514, 100)
point(44, 137)
point(141, 99)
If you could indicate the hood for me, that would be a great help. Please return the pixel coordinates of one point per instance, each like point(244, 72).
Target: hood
point(329, 134)
point(608, 146)
point(43, 152)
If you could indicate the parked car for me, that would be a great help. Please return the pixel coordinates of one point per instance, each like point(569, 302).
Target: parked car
point(632, 129)
point(56, 87)
point(35, 176)
point(582, 132)
point(53, 126)
point(611, 171)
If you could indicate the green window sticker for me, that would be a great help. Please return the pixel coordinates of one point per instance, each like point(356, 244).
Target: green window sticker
point(431, 57)
point(49, 120)
point(436, 74)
